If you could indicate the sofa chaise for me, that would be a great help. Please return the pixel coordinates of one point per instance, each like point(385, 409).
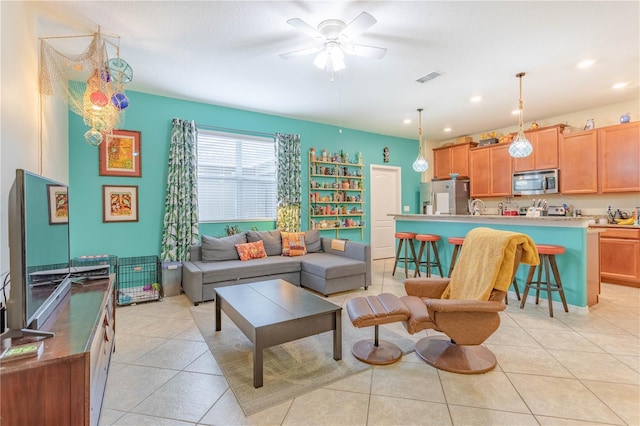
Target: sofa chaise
point(327, 265)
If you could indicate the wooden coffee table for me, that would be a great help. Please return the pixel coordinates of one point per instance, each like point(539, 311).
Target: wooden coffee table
point(273, 312)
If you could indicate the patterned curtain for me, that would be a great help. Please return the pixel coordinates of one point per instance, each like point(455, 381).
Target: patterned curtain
point(180, 229)
point(289, 182)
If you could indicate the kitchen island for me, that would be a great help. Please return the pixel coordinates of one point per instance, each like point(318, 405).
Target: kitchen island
point(579, 266)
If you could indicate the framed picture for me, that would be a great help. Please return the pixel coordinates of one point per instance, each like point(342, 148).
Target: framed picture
point(120, 154)
point(58, 199)
point(120, 203)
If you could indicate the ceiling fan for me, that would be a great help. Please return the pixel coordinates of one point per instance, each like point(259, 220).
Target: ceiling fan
point(335, 37)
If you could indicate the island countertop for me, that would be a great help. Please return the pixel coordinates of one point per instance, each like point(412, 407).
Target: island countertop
point(560, 221)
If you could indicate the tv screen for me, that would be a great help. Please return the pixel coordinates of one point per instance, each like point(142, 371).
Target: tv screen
point(38, 249)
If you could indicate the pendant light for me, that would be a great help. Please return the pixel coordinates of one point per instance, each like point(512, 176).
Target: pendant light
point(520, 147)
point(420, 165)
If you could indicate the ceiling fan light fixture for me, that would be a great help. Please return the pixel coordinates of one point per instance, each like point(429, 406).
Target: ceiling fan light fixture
point(331, 58)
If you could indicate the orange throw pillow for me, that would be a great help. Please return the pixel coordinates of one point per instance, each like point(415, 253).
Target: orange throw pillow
point(293, 244)
point(253, 250)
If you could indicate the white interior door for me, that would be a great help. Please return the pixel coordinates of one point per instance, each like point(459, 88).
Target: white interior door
point(385, 200)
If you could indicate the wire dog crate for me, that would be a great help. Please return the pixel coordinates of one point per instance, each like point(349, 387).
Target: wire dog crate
point(138, 280)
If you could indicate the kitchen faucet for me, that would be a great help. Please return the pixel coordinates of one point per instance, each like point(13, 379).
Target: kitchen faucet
point(474, 209)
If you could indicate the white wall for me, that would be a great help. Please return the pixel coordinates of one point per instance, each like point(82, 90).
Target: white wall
point(20, 145)
point(590, 204)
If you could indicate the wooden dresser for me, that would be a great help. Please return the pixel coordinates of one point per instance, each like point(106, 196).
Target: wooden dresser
point(65, 386)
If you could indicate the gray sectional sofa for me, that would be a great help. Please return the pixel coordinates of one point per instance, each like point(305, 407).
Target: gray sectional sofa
point(325, 269)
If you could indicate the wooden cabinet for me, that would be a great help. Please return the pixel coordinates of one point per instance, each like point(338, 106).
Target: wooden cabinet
point(452, 159)
point(545, 150)
point(620, 256)
point(579, 162)
point(601, 161)
point(65, 385)
point(491, 171)
point(619, 153)
point(336, 194)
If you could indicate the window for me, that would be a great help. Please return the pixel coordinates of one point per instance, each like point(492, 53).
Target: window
point(236, 177)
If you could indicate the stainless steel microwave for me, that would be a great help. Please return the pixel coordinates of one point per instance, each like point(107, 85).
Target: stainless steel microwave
point(535, 182)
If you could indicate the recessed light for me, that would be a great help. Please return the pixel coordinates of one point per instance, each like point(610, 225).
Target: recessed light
point(476, 98)
point(620, 85)
point(407, 121)
point(586, 63)
point(447, 129)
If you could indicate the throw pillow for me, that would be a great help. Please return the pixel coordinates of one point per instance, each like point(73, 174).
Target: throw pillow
point(251, 250)
point(312, 241)
point(271, 240)
point(217, 249)
point(293, 244)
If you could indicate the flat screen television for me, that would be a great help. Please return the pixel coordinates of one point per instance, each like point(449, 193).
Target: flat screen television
point(38, 252)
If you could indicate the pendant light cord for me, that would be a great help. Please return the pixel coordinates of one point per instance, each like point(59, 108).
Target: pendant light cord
point(420, 130)
point(520, 105)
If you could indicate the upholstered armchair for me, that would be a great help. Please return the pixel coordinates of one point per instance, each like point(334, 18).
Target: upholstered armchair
point(466, 306)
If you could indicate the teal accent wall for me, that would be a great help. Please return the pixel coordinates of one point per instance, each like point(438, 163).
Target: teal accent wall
point(152, 115)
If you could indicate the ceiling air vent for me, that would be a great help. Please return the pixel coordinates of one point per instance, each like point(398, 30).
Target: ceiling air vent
point(429, 76)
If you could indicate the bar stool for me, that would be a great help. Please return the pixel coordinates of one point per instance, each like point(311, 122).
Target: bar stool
point(547, 253)
point(407, 238)
point(430, 241)
point(457, 245)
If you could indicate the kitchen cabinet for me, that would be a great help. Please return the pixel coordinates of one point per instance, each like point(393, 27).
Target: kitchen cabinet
point(619, 155)
point(545, 150)
point(452, 159)
point(490, 171)
point(336, 194)
point(620, 256)
point(579, 162)
point(601, 160)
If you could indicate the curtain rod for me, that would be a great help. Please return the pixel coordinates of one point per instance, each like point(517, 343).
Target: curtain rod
point(244, 132)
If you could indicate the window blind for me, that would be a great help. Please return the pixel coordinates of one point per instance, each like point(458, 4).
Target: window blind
point(236, 177)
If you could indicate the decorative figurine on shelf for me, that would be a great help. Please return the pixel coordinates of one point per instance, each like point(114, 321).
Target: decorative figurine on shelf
point(625, 118)
point(590, 125)
point(534, 125)
point(385, 154)
point(359, 157)
point(324, 155)
point(312, 154)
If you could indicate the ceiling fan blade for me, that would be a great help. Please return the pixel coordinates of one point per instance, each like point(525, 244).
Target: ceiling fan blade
point(365, 51)
point(307, 51)
point(358, 25)
point(299, 24)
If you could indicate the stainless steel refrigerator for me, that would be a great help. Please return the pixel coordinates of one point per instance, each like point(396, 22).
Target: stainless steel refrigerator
point(450, 196)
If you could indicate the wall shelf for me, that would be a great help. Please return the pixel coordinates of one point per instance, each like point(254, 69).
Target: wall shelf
point(334, 185)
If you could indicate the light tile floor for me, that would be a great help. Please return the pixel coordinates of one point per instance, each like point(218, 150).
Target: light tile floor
point(568, 370)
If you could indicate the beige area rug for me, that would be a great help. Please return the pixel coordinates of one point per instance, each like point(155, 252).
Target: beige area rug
point(290, 369)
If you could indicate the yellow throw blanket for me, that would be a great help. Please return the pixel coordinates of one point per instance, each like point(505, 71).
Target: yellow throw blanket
point(486, 262)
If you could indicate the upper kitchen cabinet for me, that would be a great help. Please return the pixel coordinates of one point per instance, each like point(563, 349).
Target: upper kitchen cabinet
point(452, 159)
point(545, 150)
point(579, 162)
point(490, 171)
point(601, 161)
point(619, 154)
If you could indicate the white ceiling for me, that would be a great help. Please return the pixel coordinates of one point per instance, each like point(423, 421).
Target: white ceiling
point(226, 53)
